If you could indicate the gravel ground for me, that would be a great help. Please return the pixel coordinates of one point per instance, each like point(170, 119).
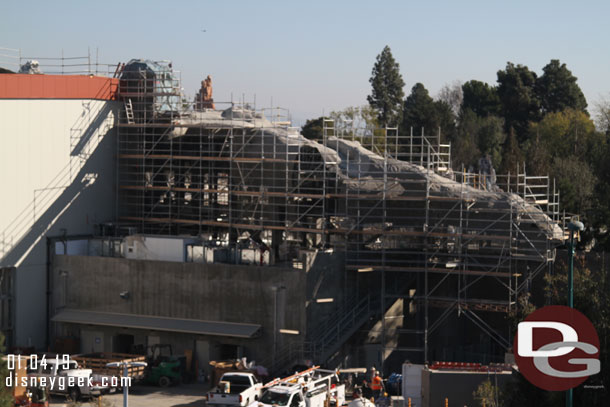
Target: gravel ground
point(186, 395)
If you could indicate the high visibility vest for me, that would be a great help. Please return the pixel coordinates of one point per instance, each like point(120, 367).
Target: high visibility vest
point(376, 385)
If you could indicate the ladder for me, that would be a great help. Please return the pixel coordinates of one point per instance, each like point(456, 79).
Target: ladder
point(129, 111)
point(294, 377)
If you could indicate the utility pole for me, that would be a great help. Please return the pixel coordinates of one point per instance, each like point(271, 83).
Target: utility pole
point(125, 366)
point(574, 226)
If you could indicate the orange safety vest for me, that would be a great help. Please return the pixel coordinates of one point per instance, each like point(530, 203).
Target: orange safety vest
point(376, 385)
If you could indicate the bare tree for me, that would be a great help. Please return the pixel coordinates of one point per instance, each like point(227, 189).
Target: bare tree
point(452, 95)
point(602, 115)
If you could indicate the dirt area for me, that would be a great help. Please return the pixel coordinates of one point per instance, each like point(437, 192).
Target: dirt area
point(186, 395)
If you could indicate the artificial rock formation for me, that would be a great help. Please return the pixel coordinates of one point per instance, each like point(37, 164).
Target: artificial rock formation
point(204, 99)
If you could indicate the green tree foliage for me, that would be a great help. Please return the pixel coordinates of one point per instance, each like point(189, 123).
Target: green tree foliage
point(481, 98)
point(487, 394)
point(576, 182)
point(512, 156)
point(464, 149)
point(421, 111)
point(518, 392)
point(313, 129)
point(6, 396)
point(490, 138)
point(569, 132)
point(387, 89)
point(519, 102)
point(592, 298)
point(600, 215)
point(445, 119)
point(476, 137)
point(557, 89)
point(360, 124)
point(566, 146)
point(523, 308)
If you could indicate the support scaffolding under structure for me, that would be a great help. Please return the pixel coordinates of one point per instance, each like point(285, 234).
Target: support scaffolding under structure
point(413, 232)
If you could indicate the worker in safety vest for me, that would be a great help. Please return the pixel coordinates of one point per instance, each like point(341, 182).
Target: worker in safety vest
point(377, 385)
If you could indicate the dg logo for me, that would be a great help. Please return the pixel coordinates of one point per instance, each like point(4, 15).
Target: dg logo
point(557, 348)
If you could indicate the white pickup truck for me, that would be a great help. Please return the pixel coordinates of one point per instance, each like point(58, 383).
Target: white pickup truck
point(305, 392)
point(64, 377)
point(235, 389)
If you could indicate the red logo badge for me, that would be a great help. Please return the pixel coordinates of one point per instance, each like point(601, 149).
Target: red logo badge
point(557, 348)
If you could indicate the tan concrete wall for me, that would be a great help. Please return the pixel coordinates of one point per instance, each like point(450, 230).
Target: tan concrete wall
point(215, 292)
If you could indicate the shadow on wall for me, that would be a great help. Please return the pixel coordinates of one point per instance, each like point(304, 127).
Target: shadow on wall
point(95, 125)
point(97, 173)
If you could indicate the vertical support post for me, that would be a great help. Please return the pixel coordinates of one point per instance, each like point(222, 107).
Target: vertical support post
point(411, 145)
point(427, 208)
point(573, 226)
point(125, 388)
point(275, 289)
point(421, 148)
point(383, 253)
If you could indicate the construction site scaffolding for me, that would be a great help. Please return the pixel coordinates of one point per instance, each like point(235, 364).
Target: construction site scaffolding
point(442, 242)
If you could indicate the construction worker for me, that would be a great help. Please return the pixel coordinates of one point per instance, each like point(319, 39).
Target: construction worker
point(377, 385)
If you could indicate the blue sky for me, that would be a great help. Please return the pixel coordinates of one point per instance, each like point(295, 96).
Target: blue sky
point(316, 56)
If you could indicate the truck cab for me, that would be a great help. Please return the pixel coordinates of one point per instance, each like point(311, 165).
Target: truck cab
point(62, 370)
point(235, 389)
point(312, 393)
point(283, 396)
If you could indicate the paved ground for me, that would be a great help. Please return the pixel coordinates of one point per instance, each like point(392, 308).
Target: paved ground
point(186, 395)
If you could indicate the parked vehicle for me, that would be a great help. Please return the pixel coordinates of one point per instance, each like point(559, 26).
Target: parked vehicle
point(57, 374)
point(311, 388)
point(30, 394)
point(163, 368)
point(235, 389)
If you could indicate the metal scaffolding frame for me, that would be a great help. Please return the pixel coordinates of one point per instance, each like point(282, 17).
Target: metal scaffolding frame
point(444, 242)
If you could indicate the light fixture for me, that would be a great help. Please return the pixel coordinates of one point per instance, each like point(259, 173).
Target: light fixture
point(289, 331)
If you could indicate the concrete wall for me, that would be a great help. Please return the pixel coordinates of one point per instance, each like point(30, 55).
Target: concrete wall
point(214, 292)
point(68, 145)
point(326, 279)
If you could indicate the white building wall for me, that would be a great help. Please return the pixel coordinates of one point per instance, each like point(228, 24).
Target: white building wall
point(57, 163)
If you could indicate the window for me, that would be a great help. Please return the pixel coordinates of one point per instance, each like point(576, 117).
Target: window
point(238, 383)
point(296, 400)
point(271, 397)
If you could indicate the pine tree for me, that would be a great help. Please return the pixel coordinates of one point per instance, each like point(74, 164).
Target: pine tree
point(557, 89)
point(387, 93)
